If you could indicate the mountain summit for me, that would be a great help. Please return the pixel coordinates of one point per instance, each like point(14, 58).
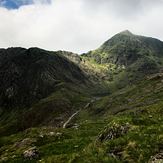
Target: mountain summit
point(126, 49)
point(125, 32)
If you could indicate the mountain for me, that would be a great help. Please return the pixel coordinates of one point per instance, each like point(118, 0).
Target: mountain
point(101, 106)
point(28, 75)
point(126, 48)
point(128, 58)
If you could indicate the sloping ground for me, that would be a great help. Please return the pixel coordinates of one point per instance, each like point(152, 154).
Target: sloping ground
point(105, 77)
point(95, 72)
point(135, 134)
point(124, 127)
point(38, 88)
point(50, 111)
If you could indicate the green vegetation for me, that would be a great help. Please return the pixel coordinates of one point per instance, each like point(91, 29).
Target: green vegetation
point(129, 57)
point(110, 99)
point(128, 128)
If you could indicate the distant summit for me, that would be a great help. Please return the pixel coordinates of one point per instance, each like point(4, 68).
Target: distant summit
point(126, 32)
point(131, 51)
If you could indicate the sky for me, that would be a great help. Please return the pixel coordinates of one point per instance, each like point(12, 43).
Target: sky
point(76, 25)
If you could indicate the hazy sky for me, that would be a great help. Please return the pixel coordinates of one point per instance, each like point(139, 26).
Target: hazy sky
point(77, 25)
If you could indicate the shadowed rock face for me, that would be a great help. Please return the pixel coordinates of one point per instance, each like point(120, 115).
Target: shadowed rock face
point(28, 75)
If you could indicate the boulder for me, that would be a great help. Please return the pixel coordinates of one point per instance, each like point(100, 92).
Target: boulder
point(158, 158)
point(114, 132)
point(31, 153)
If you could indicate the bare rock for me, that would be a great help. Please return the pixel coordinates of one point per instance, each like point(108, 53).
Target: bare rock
point(114, 132)
point(31, 153)
point(24, 142)
point(158, 158)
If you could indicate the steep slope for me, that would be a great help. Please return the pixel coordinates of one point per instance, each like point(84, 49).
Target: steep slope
point(27, 75)
point(128, 129)
point(134, 133)
point(128, 58)
point(95, 72)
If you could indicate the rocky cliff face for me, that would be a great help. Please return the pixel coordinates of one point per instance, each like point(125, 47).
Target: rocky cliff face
point(28, 75)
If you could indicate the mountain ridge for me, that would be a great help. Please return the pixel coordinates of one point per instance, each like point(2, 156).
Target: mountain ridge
point(125, 57)
point(28, 74)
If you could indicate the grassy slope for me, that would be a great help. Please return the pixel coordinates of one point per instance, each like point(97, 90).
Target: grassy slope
point(51, 110)
point(127, 58)
point(138, 107)
point(142, 112)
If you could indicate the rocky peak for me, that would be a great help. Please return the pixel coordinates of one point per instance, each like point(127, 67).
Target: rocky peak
point(126, 32)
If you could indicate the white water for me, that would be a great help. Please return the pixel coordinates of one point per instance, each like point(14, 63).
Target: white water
point(70, 118)
point(73, 115)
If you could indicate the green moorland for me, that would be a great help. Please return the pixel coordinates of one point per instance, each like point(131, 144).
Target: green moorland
point(126, 126)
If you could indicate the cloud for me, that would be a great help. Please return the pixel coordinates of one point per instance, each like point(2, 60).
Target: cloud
point(41, 1)
point(78, 25)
